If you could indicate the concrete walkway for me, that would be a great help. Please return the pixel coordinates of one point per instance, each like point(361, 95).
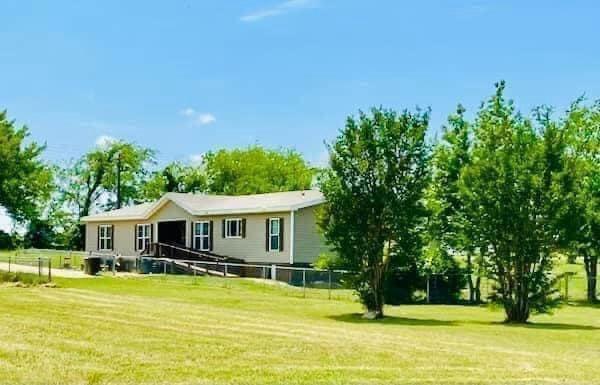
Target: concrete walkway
point(34, 270)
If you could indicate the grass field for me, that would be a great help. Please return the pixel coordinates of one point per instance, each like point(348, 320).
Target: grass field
point(182, 330)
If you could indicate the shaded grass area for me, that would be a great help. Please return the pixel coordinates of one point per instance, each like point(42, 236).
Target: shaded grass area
point(183, 330)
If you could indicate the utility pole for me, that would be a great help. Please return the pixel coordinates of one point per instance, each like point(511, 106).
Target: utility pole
point(119, 180)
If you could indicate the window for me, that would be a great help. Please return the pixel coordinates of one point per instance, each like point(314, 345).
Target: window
point(143, 235)
point(274, 234)
point(233, 228)
point(105, 238)
point(202, 235)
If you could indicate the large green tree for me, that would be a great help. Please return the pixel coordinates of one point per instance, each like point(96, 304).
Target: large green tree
point(25, 180)
point(449, 227)
point(374, 191)
point(580, 217)
point(106, 177)
point(175, 177)
point(255, 169)
point(510, 181)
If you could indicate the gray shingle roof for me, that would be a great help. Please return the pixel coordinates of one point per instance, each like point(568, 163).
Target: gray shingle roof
point(204, 204)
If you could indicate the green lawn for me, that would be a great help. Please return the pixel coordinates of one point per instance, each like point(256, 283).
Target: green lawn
point(181, 330)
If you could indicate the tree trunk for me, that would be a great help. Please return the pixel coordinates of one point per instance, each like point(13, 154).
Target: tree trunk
point(375, 305)
point(478, 289)
point(517, 307)
point(516, 301)
point(470, 278)
point(591, 271)
point(516, 313)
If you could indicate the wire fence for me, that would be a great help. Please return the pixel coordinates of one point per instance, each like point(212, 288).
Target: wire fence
point(298, 281)
point(40, 266)
point(405, 288)
point(61, 259)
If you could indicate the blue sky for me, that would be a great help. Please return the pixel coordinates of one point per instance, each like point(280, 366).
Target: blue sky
point(185, 77)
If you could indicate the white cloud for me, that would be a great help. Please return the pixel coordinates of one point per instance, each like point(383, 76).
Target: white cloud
point(278, 9)
point(105, 140)
point(198, 118)
point(196, 159)
point(203, 119)
point(188, 112)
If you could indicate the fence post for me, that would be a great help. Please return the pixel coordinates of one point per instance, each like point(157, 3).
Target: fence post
point(225, 271)
point(304, 282)
point(165, 267)
point(9, 263)
point(329, 286)
point(40, 267)
point(428, 288)
point(274, 272)
point(567, 287)
point(50, 270)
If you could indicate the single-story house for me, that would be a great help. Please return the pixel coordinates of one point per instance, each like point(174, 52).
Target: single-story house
point(262, 228)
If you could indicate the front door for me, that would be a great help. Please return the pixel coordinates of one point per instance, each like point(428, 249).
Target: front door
point(172, 232)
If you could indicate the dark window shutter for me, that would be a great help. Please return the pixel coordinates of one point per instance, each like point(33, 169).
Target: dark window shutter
point(210, 239)
point(112, 237)
point(243, 227)
point(223, 229)
point(98, 237)
point(267, 232)
point(135, 232)
point(193, 238)
point(281, 232)
point(151, 233)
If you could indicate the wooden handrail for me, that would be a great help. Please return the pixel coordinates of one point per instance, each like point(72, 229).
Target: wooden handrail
point(201, 255)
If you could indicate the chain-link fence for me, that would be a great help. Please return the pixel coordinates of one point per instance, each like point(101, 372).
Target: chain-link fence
point(40, 266)
point(296, 281)
point(403, 287)
point(576, 288)
point(60, 259)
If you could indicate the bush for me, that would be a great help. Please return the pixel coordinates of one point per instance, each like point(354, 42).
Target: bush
point(401, 286)
point(8, 241)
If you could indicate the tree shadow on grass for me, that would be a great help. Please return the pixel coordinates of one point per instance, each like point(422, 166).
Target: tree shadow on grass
point(582, 303)
point(391, 320)
point(549, 326)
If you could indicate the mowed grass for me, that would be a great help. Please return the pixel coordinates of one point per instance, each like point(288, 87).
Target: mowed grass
point(184, 330)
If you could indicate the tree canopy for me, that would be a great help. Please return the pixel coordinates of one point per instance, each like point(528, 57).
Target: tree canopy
point(374, 189)
point(510, 181)
point(175, 177)
point(580, 214)
point(93, 180)
point(25, 180)
point(256, 169)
